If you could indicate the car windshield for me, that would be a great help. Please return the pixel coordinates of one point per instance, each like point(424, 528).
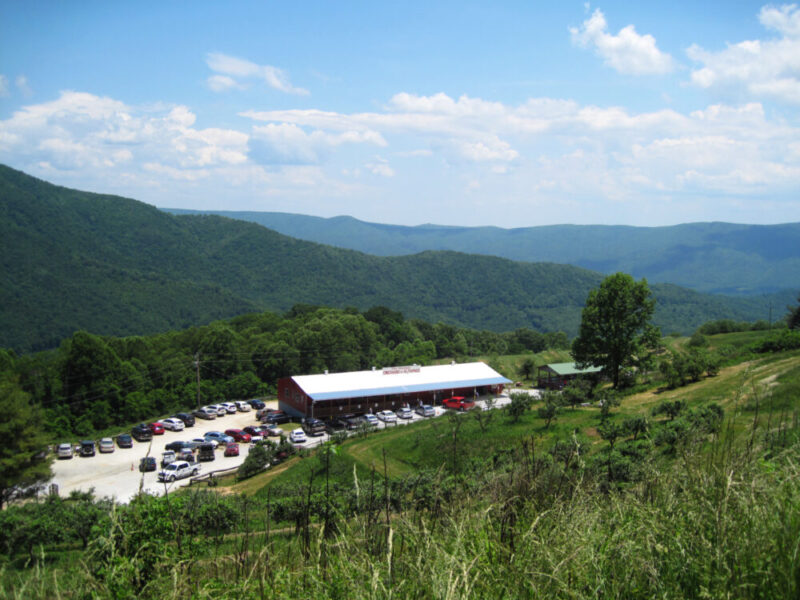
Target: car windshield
point(171, 467)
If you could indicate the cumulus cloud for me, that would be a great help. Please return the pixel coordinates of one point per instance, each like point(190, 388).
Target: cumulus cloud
point(555, 151)
point(232, 72)
point(627, 52)
point(761, 68)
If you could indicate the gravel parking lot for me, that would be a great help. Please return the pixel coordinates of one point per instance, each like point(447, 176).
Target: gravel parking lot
point(117, 474)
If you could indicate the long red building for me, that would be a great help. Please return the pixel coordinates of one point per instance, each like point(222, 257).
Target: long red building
point(359, 392)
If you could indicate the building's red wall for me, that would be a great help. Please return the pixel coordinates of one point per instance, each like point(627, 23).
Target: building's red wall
point(291, 398)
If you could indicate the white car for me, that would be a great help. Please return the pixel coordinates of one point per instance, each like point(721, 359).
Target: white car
point(173, 424)
point(197, 441)
point(405, 413)
point(178, 470)
point(371, 420)
point(64, 451)
point(106, 445)
point(243, 406)
point(298, 436)
point(387, 416)
point(219, 409)
point(230, 407)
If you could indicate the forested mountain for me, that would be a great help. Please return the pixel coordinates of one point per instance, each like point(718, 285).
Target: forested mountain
point(75, 260)
point(708, 257)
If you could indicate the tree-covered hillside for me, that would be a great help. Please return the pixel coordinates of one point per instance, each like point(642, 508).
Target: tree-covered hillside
point(708, 257)
point(75, 260)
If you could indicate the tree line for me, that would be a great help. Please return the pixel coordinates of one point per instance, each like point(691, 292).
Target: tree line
point(91, 383)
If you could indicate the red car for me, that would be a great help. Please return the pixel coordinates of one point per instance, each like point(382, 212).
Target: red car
point(238, 435)
point(232, 449)
point(458, 403)
point(157, 428)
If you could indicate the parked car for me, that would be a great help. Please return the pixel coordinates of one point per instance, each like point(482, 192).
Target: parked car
point(387, 416)
point(178, 445)
point(64, 450)
point(167, 457)
point(335, 425)
point(196, 442)
point(106, 445)
point(352, 421)
point(220, 411)
point(238, 435)
point(206, 413)
point(242, 406)
point(173, 424)
point(87, 448)
point(157, 428)
point(205, 452)
point(273, 431)
point(187, 455)
point(298, 436)
point(178, 470)
point(458, 403)
point(148, 463)
point(142, 433)
point(256, 433)
point(276, 417)
point(188, 420)
point(425, 410)
point(230, 407)
point(124, 440)
point(370, 420)
point(218, 437)
point(256, 404)
point(405, 413)
point(312, 426)
point(232, 449)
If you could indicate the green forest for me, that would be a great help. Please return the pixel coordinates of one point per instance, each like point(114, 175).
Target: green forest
point(715, 257)
point(75, 261)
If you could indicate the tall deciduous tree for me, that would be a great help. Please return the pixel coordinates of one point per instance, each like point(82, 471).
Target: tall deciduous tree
point(615, 330)
point(21, 462)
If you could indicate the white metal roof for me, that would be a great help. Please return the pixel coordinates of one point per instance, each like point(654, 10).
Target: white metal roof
point(398, 380)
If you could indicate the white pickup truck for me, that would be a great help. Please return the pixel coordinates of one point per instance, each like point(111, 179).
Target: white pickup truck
point(178, 470)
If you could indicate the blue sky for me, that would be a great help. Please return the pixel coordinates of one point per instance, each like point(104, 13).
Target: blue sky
point(461, 113)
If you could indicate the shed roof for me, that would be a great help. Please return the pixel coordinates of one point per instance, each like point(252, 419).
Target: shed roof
point(398, 380)
point(569, 368)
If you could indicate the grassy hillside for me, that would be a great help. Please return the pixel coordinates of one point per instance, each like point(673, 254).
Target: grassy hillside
point(76, 260)
point(454, 508)
point(708, 257)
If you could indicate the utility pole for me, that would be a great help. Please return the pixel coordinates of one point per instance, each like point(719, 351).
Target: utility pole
point(197, 369)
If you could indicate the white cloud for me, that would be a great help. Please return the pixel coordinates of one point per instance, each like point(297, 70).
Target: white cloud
point(231, 69)
point(627, 52)
point(23, 86)
point(554, 152)
point(287, 143)
point(222, 83)
point(761, 68)
point(380, 166)
point(3, 86)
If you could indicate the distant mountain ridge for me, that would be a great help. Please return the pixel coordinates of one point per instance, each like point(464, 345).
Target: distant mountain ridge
point(78, 260)
point(722, 258)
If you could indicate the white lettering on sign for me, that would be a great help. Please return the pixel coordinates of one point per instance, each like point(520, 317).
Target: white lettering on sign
point(401, 370)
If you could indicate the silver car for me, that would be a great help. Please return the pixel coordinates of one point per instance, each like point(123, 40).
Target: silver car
point(64, 451)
